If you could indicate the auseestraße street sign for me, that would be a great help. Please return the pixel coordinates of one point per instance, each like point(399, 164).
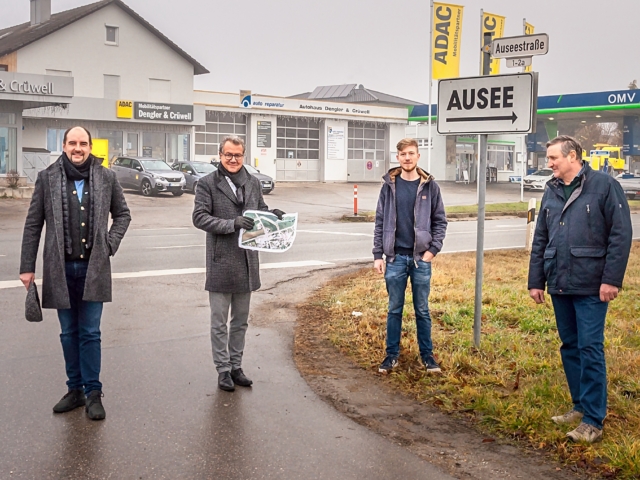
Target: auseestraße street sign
point(488, 104)
point(520, 46)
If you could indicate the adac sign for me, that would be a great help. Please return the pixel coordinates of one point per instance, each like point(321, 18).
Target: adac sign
point(124, 109)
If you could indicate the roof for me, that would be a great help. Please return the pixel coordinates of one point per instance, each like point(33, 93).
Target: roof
point(352, 93)
point(19, 36)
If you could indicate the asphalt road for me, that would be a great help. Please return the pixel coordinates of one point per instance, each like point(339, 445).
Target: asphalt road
point(165, 416)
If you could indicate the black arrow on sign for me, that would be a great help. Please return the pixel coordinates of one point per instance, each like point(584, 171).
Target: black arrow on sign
point(513, 117)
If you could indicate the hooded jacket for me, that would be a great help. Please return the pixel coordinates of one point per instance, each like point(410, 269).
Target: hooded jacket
point(582, 242)
point(430, 221)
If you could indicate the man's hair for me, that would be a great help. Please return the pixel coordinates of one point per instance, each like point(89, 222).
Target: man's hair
point(567, 144)
point(64, 138)
point(407, 142)
point(233, 139)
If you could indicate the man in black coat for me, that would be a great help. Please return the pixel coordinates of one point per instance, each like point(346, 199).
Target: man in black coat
point(74, 197)
point(232, 272)
point(580, 251)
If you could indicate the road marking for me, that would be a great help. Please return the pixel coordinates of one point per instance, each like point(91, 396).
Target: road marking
point(164, 236)
point(182, 271)
point(337, 233)
point(156, 229)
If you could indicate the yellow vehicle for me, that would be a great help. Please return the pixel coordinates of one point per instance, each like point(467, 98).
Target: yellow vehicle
point(606, 155)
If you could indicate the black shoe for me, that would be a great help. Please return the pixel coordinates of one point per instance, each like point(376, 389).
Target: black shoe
point(94, 408)
point(72, 400)
point(388, 364)
point(431, 365)
point(225, 383)
point(239, 378)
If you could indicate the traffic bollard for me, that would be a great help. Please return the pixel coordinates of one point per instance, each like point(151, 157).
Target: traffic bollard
point(531, 223)
point(355, 200)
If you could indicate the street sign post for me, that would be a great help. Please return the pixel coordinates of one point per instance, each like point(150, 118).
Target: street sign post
point(520, 46)
point(488, 104)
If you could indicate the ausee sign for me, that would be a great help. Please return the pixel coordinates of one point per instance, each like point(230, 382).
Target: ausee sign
point(520, 46)
point(489, 104)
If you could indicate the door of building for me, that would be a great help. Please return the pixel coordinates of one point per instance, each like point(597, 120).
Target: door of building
point(368, 169)
point(132, 144)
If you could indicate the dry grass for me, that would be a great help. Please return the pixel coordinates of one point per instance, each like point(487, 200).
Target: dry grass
point(515, 383)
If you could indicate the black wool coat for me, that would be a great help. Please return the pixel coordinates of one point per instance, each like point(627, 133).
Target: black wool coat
point(230, 269)
point(46, 208)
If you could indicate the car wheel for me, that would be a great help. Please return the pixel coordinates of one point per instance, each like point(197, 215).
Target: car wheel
point(177, 194)
point(146, 189)
point(267, 192)
point(195, 188)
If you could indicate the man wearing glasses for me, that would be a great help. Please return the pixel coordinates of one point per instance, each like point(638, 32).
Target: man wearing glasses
point(409, 230)
point(232, 272)
point(580, 251)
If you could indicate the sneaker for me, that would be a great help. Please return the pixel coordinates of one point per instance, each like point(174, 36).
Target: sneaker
point(585, 433)
point(431, 365)
point(573, 416)
point(94, 408)
point(225, 382)
point(72, 400)
point(239, 378)
point(388, 364)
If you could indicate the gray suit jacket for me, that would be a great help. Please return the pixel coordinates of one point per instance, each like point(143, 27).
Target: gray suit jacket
point(46, 207)
point(230, 269)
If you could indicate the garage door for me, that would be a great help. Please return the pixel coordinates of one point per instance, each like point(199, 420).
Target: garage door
point(298, 150)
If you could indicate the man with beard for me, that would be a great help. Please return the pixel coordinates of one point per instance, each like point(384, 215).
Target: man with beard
point(232, 272)
point(409, 230)
point(74, 197)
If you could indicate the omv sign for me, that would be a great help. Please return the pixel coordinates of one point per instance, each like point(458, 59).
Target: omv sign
point(627, 97)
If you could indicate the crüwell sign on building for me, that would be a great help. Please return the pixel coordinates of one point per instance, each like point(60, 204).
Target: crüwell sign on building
point(24, 87)
point(163, 112)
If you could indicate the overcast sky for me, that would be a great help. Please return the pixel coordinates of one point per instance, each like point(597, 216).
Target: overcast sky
point(284, 47)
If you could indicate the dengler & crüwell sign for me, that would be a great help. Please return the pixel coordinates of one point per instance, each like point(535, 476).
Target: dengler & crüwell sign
point(163, 112)
point(496, 104)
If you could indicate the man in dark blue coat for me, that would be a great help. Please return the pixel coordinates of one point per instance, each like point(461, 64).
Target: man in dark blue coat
point(580, 251)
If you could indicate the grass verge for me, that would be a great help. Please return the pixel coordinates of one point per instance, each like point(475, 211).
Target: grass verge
point(515, 382)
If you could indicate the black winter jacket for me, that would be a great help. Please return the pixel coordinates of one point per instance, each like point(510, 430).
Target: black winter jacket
point(584, 242)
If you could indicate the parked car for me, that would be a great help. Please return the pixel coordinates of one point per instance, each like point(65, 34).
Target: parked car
point(148, 175)
point(268, 183)
point(630, 184)
point(193, 172)
point(538, 180)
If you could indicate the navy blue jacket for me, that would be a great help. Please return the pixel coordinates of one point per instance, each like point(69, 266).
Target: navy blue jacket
point(430, 221)
point(584, 242)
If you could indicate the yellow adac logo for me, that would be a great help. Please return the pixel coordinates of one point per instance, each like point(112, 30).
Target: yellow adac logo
point(124, 109)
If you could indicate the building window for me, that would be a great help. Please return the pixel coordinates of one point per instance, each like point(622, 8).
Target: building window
point(423, 142)
point(366, 137)
point(4, 68)
point(8, 150)
point(298, 138)
point(111, 35)
point(114, 137)
point(112, 86)
point(54, 139)
point(154, 145)
point(178, 146)
point(219, 125)
point(500, 157)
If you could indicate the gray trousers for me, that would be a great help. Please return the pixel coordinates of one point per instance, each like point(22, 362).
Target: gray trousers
point(227, 345)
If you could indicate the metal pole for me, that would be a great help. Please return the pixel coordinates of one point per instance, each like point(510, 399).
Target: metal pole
point(430, 138)
point(482, 193)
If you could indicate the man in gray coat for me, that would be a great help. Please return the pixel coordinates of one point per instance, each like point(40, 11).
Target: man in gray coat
point(74, 197)
point(232, 272)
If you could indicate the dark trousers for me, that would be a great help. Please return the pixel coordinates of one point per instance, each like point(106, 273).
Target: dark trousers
point(580, 320)
point(396, 275)
point(80, 333)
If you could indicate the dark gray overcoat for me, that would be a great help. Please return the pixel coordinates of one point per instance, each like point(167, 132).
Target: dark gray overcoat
point(46, 207)
point(230, 269)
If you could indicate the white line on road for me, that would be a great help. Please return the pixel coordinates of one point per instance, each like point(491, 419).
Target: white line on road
point(182, 271)
point(156, 229)
point(337, 233)
point(164, 236)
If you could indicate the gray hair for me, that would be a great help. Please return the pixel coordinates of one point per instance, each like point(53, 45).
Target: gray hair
point(233, 139)
point(568, 144)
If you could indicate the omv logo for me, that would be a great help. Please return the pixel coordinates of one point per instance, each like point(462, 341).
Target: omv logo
point(245, 99)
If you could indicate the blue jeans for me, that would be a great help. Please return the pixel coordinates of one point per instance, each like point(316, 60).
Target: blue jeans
point(80, 333)
point(396, 275)
point(580, 320)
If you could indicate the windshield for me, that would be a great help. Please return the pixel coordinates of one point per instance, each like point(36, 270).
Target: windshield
point(250, 169)
point(203, 167)
point(542, 173)
point(154, 165)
